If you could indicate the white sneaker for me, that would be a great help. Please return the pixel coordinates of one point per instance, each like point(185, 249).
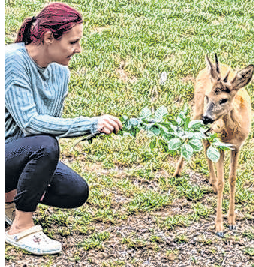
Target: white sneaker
point(34, 241)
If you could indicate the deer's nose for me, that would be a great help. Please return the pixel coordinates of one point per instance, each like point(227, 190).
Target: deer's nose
point(207, 119)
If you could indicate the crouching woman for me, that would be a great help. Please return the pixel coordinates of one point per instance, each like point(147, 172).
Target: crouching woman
point(36, 81)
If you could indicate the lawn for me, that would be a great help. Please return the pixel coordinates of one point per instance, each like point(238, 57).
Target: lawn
point(138, 214)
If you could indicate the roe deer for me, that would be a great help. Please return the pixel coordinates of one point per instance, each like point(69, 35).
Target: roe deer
point(221, 100)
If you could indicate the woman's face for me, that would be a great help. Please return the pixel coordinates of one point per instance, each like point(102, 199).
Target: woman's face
point(61, 51)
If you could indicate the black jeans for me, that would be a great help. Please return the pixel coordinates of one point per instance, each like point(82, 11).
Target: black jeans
point(32, 167)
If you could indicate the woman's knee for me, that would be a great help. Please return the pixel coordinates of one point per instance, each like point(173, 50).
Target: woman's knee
point(73, 199)
point(67, 188)
point(78, 197)
point(81, 195)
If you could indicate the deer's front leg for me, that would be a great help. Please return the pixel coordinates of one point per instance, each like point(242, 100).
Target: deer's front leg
point(212, 180)
point(179, 167)
point(234, 156)
point(220, 176)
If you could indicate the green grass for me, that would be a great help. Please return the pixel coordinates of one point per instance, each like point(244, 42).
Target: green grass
point(94, 241)
point(126, 178)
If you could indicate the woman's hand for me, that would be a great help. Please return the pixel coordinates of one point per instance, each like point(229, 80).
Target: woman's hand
point(108, 124)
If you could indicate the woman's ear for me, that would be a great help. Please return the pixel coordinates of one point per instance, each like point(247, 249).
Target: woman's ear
point(48, 38)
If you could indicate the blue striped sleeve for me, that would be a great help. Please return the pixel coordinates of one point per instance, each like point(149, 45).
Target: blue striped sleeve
point(20, 103)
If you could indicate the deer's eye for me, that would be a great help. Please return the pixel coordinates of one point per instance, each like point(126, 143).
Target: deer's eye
point(206, 99)
point(223, 101)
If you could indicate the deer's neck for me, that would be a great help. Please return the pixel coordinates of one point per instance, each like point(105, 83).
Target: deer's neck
point(231, 120)
point(233, 128)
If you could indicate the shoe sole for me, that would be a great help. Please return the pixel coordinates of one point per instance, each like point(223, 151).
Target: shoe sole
point(31, 250)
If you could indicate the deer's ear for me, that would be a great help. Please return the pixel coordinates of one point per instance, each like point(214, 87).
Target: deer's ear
point(242, 78)
point(213, 70)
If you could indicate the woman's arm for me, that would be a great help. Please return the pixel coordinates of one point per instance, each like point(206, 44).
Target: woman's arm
point(22, 106)
point(20, 103)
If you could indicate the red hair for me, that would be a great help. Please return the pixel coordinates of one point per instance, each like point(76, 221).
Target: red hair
point(56, 17)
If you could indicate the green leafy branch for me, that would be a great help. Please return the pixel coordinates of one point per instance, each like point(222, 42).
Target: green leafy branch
point(180, 133)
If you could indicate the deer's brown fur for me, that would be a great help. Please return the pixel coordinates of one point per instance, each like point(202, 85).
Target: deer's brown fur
point(220, 99)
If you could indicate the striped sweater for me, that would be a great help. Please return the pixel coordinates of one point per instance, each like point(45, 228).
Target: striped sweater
point(34, 98)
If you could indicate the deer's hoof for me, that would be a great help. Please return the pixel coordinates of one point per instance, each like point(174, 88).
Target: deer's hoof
point(215, 190)
point(232, 227)
point(214, 187)
point(220, 234)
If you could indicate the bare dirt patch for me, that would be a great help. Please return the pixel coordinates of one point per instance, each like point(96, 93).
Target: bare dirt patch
point(139, 241)
point(143, 239)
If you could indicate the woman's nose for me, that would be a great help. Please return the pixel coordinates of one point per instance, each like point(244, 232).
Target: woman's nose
point(78, 48)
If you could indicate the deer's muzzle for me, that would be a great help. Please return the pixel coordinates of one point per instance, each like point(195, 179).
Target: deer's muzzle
point(207, 119)
point(208, 116)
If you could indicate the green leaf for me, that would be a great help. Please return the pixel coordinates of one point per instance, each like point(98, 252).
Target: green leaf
point(145, 113)
point(186, 135)
point(164, 144)
point(178, 131)
point(182, 115)
point(165, 131)
point(213, 154)
point(198, 135)
point(186, 123)
point(179, 120)
point(163, 128)
point(185, 109)
point(196, 144)
point(155, 130)
point(123, 118)
point(160, 112)
point(134, 131)
point(152, 144)
point(212, 136)
point(222, 146)
point(186, 151)
point(174, 144)
point(195, 124)
point(133, 122)
point(174, 128)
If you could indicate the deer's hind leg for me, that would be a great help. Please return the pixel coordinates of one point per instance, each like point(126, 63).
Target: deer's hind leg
point(234, 156)
point(213, 179)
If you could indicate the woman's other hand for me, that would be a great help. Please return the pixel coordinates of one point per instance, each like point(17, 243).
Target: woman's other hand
point(108, 124)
